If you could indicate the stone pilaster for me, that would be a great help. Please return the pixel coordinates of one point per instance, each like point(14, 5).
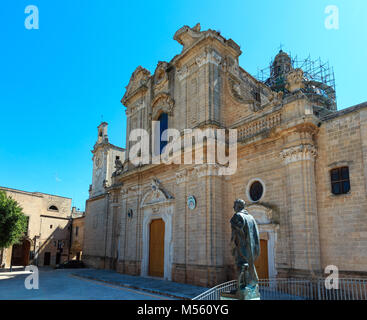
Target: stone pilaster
point(303, 230)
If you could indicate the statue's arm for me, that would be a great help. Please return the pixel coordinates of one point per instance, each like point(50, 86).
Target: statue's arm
point(237, 221)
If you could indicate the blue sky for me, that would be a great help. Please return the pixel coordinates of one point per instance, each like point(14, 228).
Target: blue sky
point(57, 82)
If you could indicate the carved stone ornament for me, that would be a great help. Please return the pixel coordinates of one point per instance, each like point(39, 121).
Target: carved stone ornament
point(161, 77)
point(300, 152)
point(156, 195)
point(138, 80)
point(162, 102)
point(295, 80)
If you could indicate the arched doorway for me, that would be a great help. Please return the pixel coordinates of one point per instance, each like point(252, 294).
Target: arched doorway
point(156, 248)
point(20, 253)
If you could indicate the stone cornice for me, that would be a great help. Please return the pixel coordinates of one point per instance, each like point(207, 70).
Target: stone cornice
point(105, 145)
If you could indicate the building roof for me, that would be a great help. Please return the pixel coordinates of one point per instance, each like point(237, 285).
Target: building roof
point(344, 111)
point(35, 193)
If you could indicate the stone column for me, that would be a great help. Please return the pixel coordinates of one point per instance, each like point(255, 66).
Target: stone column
point(303, 230)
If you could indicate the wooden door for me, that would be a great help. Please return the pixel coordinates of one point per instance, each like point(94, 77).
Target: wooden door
point(261, 263)
point(20, 254)
point(156, 248)
point(17, 255)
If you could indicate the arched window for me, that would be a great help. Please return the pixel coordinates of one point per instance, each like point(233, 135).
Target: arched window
point(163, 120)
point(53, 208)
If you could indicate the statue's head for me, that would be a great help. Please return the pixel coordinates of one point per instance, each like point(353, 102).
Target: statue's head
point(239, 205)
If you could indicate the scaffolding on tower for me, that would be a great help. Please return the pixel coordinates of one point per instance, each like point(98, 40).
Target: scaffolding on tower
point(319, 76)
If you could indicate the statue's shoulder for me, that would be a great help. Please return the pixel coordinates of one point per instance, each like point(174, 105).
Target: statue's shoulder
point(244, 213)
point(246, 216)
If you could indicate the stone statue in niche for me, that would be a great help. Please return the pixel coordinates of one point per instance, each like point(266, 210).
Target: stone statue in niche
point(119, 167)
point(245, 250)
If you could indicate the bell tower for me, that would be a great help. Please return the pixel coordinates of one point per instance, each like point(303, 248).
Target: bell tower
point(102, 132)
point(104, 156)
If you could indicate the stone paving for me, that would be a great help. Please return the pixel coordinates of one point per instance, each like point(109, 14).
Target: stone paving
point(153, 285)
point(62, 285)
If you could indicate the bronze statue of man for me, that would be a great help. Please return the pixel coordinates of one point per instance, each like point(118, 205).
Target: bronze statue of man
point(245, 244)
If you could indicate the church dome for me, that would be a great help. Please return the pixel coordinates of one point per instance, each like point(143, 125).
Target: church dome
point(282, 64)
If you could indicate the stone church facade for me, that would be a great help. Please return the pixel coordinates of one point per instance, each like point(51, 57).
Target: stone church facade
point(301, 168)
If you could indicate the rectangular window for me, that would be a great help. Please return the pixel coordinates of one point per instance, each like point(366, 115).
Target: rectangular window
point(76, 231)
point(340, 183)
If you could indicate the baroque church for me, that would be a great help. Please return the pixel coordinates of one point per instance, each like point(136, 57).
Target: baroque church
point(301, 169)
